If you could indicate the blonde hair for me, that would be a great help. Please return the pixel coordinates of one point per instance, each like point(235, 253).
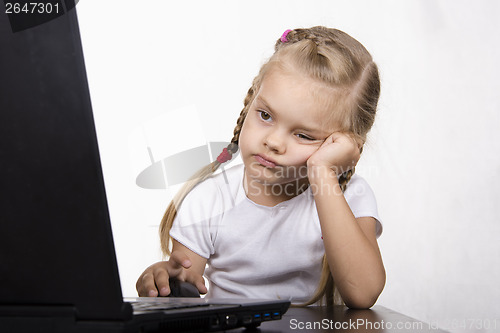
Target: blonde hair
point(338, 61)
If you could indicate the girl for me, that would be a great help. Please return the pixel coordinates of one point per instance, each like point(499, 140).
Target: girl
point(293, 222)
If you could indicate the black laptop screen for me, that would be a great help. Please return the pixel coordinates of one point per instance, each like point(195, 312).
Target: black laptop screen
point(56, 244)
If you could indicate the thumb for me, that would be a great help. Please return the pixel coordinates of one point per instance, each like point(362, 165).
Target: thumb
point(199, 282)
point(179, 259)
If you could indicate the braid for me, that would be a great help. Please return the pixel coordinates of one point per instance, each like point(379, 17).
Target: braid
point(345, 178)
point(243, 114)
point(297, 35)
point(204, 173)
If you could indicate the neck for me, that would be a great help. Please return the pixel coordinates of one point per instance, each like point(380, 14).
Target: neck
point(272, 194)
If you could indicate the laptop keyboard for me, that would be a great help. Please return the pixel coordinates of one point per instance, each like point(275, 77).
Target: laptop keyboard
point(156, 306)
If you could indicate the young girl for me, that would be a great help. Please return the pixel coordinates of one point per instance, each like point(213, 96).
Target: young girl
point(293, 222)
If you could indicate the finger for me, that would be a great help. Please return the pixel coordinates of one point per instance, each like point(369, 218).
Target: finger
point(347, 140)
point(335, 136)
point(179, 259)
point(146, 286)
point(355, 140)
point(360, 143)
point(161, 280)
point(199, 283)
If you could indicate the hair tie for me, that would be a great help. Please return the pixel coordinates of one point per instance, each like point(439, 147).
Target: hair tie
point(232, 148)
point(224, 156)
point(283, 37)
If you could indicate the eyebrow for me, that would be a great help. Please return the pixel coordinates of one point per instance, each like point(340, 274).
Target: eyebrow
point(303, 128)
point(263, 101)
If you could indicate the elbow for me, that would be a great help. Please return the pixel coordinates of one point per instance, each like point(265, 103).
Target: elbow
point(365, 298)
point(360, 303)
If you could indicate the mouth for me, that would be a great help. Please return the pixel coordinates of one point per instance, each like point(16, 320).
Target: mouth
point(265, 161)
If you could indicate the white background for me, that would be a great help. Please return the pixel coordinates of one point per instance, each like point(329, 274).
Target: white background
point(432, 157)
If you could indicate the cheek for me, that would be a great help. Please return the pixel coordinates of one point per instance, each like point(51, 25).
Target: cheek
point(301, 154)
point(244, 141)
point(250, 130)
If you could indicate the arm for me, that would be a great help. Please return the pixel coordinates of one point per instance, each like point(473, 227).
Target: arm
point(350, 244)
point(183, 264)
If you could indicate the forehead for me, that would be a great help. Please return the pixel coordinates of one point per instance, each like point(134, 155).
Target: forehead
point(299, 98)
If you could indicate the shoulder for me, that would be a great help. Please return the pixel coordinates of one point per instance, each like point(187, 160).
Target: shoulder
point(229, 178)
point(361, 199)
point(212, 196)
point(358, 187)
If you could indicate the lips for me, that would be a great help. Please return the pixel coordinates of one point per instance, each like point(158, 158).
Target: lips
point(265, 161)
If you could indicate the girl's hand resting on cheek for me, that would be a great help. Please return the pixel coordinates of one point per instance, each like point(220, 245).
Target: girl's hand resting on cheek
point(153, 281)
point(340, 153)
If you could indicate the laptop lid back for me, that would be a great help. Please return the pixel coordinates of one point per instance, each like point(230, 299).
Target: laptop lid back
point(56, 244)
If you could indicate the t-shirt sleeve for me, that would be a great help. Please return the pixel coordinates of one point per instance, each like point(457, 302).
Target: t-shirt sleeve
point(195, 225)
point(361, 200)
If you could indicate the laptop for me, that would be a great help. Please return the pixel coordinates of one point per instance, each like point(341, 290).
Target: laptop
point(58, 268)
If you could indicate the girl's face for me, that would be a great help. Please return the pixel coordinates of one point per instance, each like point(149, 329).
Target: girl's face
point(284, 126)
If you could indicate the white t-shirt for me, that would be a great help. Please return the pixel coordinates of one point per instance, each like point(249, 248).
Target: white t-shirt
point(255, 251)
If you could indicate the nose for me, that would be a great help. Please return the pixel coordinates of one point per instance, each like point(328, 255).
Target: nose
point(275, 142)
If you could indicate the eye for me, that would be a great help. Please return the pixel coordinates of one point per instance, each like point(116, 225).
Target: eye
point(305, 137)
point(264, 115)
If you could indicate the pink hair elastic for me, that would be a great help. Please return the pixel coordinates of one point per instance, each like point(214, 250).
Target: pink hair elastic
point(224, 156)
point(283, 37)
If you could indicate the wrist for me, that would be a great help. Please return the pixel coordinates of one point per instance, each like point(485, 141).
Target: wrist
point(317, 172)
point(323, 180)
